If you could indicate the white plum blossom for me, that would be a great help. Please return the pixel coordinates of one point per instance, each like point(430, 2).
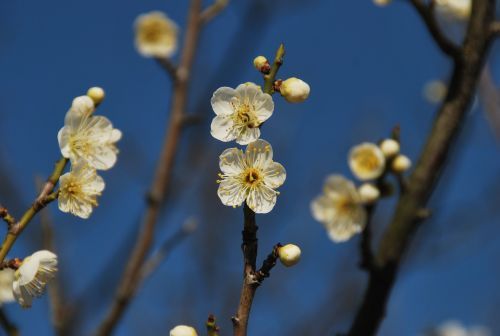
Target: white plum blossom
point(6, 280)
point(367, 161)
point(33, 275)
point(155, 35)
point(455, 328)
point(455, 9)
point(79, 190)
point(339, 208)
point(252, 176)
point(240, 112)
point(87, 137)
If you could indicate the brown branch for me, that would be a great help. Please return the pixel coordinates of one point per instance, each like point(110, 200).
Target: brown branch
point(212, 11)
point(268, 264)
point(448, 122)
point(250, 283)
point(365, 243)
point(169, 67)
point(58, 309)
point(9, 327)
point(427, 14)
point(132, 276)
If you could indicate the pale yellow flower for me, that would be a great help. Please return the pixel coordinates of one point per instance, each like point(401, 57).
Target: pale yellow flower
point(87, 137)
point(367, 162)
point(155, 35)
point(6, 280)
point(252, 176)
point(382, 3)
point(240, 112)
point(339, 208)
point(31, 278)
point(435, 91)
point(79, 190)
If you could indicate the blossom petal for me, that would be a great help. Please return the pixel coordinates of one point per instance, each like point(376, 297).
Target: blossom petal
point(222, 99)
point(343, 227)
point(274, 175)
point(222, 128)
point(264, 107)
point(338, 186)
point(232, 162)
point(322, 209)
point(259, 154)
point(261, 199)
point(232, 192)
point(247, 135)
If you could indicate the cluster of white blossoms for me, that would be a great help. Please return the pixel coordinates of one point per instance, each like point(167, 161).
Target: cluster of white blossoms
point(27, 279)
point(251, 176)
point(88, 141)
point(341, 208)
point(155, 35)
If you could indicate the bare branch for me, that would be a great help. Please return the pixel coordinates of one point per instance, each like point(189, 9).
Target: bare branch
point(212, 11)
point(7, 217)
point(448, 122)
point(132, 276)
point(427, 14)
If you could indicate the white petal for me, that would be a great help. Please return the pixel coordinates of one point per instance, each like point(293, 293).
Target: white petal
point(231, 161)
point(367, 161)
point(44, 256)
point(343, 227)
point(274, 175)
point(261, 199)
point(232, 192)
point(248, 135)
point(264, 107)
point(63, 139)
point(248, 91)
point(338, 186)
point(222, 128)
point(322, 209)
point(27, 271)
point(21, 297)
point(259, 154)
point(221, 101)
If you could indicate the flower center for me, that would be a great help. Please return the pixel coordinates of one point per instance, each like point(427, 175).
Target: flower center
point(72, 188)
point(245, 115)
point(252, 176)
point(367, 160)
point(344, 206)
point(154, 32)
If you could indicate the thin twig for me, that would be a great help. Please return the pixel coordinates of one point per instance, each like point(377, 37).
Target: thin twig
point(152, 263)
point(212, 327)
point(169, 67)
point(427, 14)
point(56, 298)
point(7, 325)
point(160, 184)
point(46, 196)
point(212, 11)
point(448, 122)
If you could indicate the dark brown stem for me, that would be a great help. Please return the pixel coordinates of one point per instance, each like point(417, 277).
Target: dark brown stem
point(268, 264)
point(448, 122)
point(365, 243)
point(250, 283)
point(132, 276)
point(427, 14)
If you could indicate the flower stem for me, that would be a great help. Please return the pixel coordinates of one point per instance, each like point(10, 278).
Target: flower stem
point(46, 196)
point(271, 76)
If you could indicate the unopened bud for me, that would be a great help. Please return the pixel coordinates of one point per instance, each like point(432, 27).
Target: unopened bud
point(389, 147)
point(401, 163)
point(289, 254)
point(96, 94)
point(294, 90)
point(260, 63)
point(182, 330)
point(368, 193)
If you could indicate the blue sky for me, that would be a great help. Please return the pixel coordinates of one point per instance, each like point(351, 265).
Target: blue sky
point(366, 67)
